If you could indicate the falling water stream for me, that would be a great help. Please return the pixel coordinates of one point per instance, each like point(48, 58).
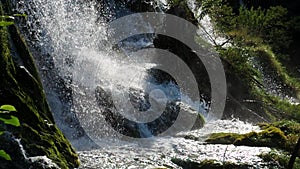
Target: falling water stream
point(72, 37)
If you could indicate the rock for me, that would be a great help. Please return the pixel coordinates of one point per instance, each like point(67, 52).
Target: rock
point(14, 148)
point(208, 164)
point(157, 126)
point(42, 162)
point(21, 87)
point(237, 91)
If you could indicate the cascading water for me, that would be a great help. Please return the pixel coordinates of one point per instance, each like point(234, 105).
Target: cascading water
point(73, 40)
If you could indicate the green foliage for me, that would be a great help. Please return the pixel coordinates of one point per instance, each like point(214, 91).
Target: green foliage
point(6, 23)
point(11, 120)
point(5, 20)
point(7, 119)
point(276, 26)
point(271, 25)
point(289, 111)
point(4, 155)
point(257, 33)
point(239, 59)
point(8, 108)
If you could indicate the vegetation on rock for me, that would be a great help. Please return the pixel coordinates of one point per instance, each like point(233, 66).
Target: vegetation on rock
point(281, 134)
point(208, 164)
point(276, 158)
point(20, 86)
point(7, 119)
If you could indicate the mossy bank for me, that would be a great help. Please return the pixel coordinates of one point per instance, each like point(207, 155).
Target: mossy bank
point(21, 87)
point(281, 135)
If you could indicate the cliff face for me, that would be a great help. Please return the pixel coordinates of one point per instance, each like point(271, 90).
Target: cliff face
point(21, 87)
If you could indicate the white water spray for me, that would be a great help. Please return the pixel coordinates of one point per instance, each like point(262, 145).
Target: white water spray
point(77, 38)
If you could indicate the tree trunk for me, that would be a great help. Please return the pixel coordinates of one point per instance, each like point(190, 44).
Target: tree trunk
point(294, 155)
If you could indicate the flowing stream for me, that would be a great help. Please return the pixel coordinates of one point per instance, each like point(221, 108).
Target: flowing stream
point(70, 40)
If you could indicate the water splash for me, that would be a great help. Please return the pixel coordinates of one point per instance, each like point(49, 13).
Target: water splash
point(75, 39)
point(161, 150)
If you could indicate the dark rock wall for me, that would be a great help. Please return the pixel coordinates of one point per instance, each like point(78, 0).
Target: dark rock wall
point(21, 87)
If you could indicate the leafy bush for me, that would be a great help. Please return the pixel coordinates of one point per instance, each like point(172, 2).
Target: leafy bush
point(271, 25)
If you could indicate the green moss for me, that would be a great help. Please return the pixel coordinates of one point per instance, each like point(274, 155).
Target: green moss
point(38, 132)
point(208, 164)
point(288, 127)
point(270, 137)
point(291, 130)
point(222, 138)
point(281, 135)
point(282, 159)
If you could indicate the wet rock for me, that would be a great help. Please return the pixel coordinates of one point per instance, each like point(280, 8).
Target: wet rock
point(238, 92)
point(21, 87)
point(14, 148)
point(42, 162)
point(208, 164)
point(141, 102)
point(11, 146)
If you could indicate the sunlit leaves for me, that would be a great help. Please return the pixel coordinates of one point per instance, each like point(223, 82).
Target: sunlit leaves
point(6, 118)
point(4, 155)
point(6, 20)
point(11, 120)
point(6, 23)
point(8, 108)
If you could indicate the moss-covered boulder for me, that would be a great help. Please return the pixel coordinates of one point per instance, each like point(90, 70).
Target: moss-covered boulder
point(207, 164)
point(281, 135)
point(21, 87)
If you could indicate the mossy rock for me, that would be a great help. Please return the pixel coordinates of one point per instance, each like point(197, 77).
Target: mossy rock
point(282, 159)
point(288, 127)
point(281, 135)
point(222, 138)
point(21, 87)
point(291, 130)
point(270, 137)
point(207, 164)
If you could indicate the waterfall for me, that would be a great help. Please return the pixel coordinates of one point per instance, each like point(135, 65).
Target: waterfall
point(73, 38)
point(80, 69)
